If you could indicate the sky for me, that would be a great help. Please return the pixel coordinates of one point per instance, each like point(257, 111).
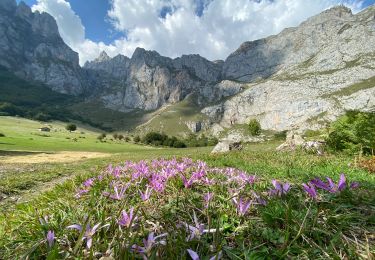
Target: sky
point(211, 28)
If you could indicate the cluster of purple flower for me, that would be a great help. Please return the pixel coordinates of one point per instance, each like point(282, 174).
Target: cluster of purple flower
point(148, 178)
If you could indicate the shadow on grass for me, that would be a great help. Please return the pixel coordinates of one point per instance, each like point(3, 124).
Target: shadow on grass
point(18, 153)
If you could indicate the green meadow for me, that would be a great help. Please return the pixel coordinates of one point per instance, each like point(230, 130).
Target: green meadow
point(293, 226)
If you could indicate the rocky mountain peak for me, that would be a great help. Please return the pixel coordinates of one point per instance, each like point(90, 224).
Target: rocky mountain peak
point(24, 11)
point(102, 57)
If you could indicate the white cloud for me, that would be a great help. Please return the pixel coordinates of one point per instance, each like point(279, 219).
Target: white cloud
point(219, 30)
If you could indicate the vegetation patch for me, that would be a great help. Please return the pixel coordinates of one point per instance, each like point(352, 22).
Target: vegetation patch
point(347, 91)
point(353, 133)
point(181, 208)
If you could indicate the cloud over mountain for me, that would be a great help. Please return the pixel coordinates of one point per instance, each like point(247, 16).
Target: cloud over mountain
point(211, 28)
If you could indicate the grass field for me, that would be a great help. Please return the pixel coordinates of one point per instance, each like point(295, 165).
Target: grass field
point(336, 225)
point(24, 134)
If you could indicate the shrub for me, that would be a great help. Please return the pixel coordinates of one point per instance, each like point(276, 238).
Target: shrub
point(179, 144)
point(254, 127)
point(137, 139)
point(353, 132)
point(127, 139)
point(101, 137)
point(71, 127)
point(281, 135)
point(2, 135)
point(115, 136)
point(120, 137)
point(154, 138)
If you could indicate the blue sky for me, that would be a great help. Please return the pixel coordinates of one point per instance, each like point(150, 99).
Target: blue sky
point(94, 18)
point(211, 28)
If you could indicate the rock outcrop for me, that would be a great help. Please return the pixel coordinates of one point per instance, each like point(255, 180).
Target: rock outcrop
point(30, 45)
point(306, 76)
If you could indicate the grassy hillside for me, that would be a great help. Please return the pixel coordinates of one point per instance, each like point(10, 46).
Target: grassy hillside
point(24, 134)
point(171, 119)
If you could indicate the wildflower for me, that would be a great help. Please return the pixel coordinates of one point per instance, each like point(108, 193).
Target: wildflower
point(198, 230)
point(50, 238)
point(280, 188)
point(127, 219)
point(331, 186)
point(354, 185)
point(89, 232)
point(149, 243)
point(80, 193)
point(310, 189)
point(193, 254)
point(207, 198)
point(88, 183)
point(259, 199)
point(119, 195)
point(242, 206)
point(146, 195)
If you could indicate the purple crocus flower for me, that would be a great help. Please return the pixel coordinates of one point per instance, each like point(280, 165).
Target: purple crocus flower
point(331, 186)
point(148, 244)
point(50, 238)
point(127, 219)
point(197, 230)
point(280, 188)
point(242, 206)
point(354, 185)
point(207, 198)
point(119, 194)
point(88, 183)
point(193, 254)
point(89, 232)
point(80, 193)
point(310, 189)
point(146, 195)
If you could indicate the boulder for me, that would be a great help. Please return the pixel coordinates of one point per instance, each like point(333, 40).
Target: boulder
point(226, 146)
point(293, 141)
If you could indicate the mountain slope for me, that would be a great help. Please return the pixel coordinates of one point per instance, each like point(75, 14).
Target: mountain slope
point(312, 73)
point(301, 78)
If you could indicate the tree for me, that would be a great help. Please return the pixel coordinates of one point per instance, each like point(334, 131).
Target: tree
point(254, 127)
point(71, 127)
point(137, 139)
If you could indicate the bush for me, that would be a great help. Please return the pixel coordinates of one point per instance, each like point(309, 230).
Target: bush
point(154, 138)
point(281, 135)
point(137, 139)
point(254, 127)
point(127, 139)
point(101, 137)
point(71, 127)
point(120, 137)
point(2, 135)
point(179, 144)
point(353, 132)
point(115, 136)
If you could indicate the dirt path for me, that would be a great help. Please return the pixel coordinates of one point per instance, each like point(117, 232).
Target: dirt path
point(58, 157)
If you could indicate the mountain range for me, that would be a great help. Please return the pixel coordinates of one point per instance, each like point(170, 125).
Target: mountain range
point(301, 78)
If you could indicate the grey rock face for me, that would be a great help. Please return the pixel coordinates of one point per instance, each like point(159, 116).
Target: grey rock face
point(30, 45)
point(148, 80)
point(313, 73)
